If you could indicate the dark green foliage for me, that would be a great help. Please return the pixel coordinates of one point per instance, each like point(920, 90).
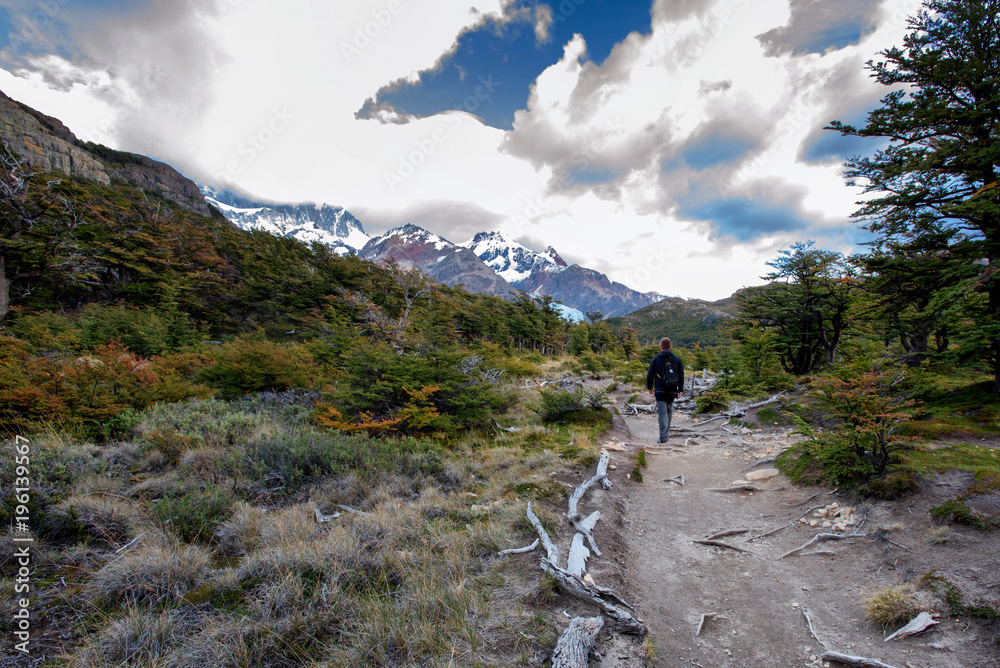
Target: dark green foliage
point(577, 406)
point(955, 511)
point(193, 515)
point(309, 455)
point(378, 381)
point(806, 306)
point(952, 595)
point(686, 322)
point(937, 177)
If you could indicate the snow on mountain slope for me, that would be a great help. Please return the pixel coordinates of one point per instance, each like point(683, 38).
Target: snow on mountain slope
point(514, 262)
point(330, 225)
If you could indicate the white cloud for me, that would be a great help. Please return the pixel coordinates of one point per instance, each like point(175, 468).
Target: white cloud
point(265, 94)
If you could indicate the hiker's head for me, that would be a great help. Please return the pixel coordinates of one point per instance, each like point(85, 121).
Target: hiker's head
point(664, 343)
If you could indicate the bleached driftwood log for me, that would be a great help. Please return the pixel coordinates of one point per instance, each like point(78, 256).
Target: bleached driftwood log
point(586, 529)
point(737, 411)
point(519, 550)
point(609, 602)
point(635, 409)
point(551, 549)
point(860, 661)
point(818, 538)
point(576, 562)
point(918, 624)
point(735, 488)
point(576, 642)
point(602, 473)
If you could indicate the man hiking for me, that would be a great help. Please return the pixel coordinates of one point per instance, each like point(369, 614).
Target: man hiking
point(665, 380)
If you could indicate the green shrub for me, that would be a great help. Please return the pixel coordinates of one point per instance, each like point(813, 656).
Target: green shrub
point(193, 514)
point(254, 364)
point(956, 512)
point(377, 382)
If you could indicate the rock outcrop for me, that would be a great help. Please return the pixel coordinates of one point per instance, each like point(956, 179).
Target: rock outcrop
point(48, 144)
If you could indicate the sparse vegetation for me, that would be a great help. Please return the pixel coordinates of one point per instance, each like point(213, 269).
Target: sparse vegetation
point(892, 605)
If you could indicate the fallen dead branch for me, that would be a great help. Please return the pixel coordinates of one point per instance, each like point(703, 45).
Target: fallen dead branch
point(602, 473)
point(737, 411)
point(730, 532)
point(918, 624)
point(785, 526)
point(551, 550)
point(519, 550)
point(586, 528)
point(323, 519)
point(609, 602)
point(576, 562)
point(735, 488)
point(576, 642)
point(853, 660)
point(769, 460)
point(679, 479)
point(701, 623)
point(635, 409)
point(818, 538)
point(812, 631)
point(717, 543)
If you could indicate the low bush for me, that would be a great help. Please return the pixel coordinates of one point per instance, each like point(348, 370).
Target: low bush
point(956, 512)
point(158, 568)
point(892, 605)
point(193, 514)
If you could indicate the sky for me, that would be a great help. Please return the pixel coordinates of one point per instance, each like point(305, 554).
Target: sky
point(675, 145)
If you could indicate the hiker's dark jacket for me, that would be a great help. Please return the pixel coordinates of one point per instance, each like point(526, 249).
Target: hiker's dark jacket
point(655, 373)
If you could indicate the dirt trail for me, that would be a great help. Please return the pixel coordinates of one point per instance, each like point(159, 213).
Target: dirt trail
point(758, 599)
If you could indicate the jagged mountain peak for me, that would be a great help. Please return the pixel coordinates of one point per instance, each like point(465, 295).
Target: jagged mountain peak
point(324, 223)
point(556, 259)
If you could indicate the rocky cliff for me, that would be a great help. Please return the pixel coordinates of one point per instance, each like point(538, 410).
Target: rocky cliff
point(49, 145)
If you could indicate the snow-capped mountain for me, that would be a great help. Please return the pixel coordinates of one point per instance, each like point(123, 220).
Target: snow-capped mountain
point(330, 225)
point(514, 262)
point(547, 273)
point(445, 262)
point(491, 262)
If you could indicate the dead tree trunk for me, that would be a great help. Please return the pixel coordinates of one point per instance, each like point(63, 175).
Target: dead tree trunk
point(576, 642)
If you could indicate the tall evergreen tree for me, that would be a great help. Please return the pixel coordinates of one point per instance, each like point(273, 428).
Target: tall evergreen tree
point(807, 303)
point(939, 173)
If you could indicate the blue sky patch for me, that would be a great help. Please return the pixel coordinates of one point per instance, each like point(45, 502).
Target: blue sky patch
point(716, 149)
point(512, 56)
point(826, 145)
point(746, 220)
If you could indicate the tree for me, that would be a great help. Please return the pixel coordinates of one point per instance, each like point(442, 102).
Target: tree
point(939, 172)
point(919, 293)
point(807, 303)
point(33, 227)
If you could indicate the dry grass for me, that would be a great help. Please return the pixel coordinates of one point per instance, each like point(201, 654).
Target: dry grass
point(892, 605)
point(411, 581)
point(158, 567)
point(110, 519)
point(135, 637)
point(938, 535)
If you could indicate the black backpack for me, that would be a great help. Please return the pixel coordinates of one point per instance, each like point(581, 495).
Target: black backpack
point(670, 376)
